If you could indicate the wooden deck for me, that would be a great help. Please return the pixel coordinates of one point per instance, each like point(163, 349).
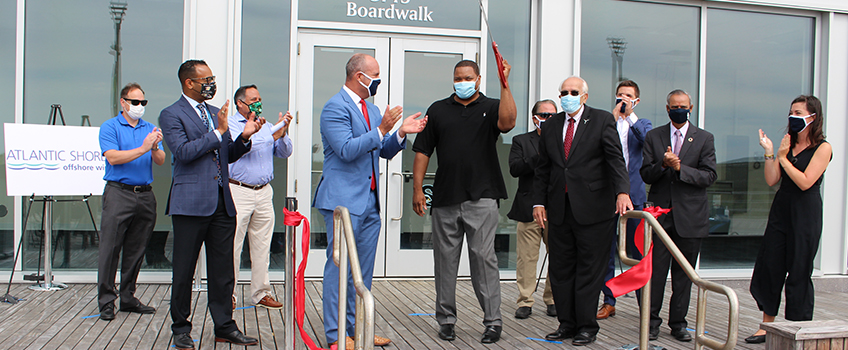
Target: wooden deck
point(68, 319)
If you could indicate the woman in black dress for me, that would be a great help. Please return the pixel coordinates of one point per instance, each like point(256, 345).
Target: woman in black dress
point(795, 219)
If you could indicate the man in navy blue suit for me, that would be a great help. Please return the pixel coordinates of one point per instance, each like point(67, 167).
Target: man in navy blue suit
point(631, 132)
point(200, 203)
point(355, 137)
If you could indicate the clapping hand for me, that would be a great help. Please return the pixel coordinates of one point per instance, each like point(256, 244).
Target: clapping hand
point(765, 142)
point(252, 125)
point(784, 147)
point(288, 118)
point(411, 125)
point(223, 124)
point(670, 160)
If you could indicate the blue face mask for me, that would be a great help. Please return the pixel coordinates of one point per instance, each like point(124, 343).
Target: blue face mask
point(678, 115)
point(570, 104)
point(465, 89)
point(372, 87)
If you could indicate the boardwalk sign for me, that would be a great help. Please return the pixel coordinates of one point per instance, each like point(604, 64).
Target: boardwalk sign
point(53, 160)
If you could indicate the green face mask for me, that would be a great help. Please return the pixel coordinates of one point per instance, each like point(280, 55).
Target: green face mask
point(255, 107)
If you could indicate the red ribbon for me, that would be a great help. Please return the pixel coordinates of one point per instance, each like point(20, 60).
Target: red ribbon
point(293, 218)
point(637, 276)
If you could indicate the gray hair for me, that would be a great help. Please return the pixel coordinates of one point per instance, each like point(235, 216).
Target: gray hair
point(354, 64)
point(585, 85)
point(677, 92)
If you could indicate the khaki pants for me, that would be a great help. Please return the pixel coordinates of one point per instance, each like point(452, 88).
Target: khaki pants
point(528, 238)
point(254, 218)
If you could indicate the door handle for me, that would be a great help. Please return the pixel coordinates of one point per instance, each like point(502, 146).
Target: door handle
point(401, 195)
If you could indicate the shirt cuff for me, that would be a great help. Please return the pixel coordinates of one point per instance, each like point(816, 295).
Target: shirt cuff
point(538, 205)
point(400, 139)
point(632, 118)
point(217, 134)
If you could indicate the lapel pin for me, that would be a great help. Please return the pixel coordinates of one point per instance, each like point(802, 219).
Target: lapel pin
point(690, 139)
point(585, 121)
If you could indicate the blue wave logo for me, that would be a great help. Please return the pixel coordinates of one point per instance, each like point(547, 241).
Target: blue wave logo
point(32, 166)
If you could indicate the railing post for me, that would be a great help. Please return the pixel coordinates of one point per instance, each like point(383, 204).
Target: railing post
point(291, 257)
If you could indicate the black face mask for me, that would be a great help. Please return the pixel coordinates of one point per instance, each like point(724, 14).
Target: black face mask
point(207, 90)
point(372, 86)
point(798, 124)
point(678, 115)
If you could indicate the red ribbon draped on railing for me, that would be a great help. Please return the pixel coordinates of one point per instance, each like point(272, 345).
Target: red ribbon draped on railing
point(637, 276)
point(293, 218)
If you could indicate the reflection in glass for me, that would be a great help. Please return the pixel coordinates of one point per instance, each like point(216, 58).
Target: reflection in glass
point(756, 64)
point(659, 52)
point(265, 63)
point(68, 62)
point(434, 71)
point(328, 77)
point(7, 99)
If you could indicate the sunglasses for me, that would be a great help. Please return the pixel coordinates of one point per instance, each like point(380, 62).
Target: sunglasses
point(208, 79)
point(572, 92)
point(545, 115)
point(136, 102)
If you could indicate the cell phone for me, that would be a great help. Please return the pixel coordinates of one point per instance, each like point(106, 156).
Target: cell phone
point(623, 106)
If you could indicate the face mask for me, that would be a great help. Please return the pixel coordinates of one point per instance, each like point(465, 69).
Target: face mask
point(632, 104)
point(465, 89)
point(207, 90)
point(798, 124)
point(255, 107)
point(678, 115)
point(570, 104)
point(538, 122)
point(372, 87)
point(135, 112)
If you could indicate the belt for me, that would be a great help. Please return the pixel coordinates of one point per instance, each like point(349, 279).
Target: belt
point(136, 189)
point(242, 184)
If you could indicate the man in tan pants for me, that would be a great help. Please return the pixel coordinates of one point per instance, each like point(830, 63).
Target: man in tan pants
point(253, 195)
point(522, 162)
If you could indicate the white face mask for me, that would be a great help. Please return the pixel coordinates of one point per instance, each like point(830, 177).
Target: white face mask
point(135, 112)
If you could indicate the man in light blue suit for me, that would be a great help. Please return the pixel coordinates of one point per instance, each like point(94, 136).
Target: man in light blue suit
point(200, 203)
point(355, 136)
point(631, 132)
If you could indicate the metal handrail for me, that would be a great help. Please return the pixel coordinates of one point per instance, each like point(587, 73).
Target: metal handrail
point(363, 337)
point(701, 339)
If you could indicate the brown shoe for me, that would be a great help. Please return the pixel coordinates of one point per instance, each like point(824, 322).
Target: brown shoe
point(269, 303)
point(348, 343)
point(605, 311)
point(380, 341)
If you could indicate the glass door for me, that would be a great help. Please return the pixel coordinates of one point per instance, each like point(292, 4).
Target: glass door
point(422, 73)
point(320, 75)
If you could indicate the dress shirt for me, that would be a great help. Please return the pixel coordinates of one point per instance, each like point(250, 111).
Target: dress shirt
point(256, 167)
point(194, 104)
point(356, 99)
point(683, 131)
point(623, 126)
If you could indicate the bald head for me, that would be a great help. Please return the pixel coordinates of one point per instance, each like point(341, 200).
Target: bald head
point(360, 62)
point(575, 81)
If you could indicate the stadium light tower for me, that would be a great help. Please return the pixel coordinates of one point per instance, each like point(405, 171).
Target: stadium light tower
point(118, 9)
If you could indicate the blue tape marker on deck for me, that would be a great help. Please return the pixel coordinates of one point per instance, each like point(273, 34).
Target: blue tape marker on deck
point(244, 307)
point(422, 314)
point(194, 340)
point(545, 340)
point(692, 330)
point(84, 317)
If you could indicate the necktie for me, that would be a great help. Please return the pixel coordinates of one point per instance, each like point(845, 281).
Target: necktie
point(569, 136)
point(368, 123)
point(678, 141)
point(206, 121)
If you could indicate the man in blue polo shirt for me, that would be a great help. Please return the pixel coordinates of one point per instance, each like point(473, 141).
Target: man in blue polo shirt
point(130, 146)
point(253, 196)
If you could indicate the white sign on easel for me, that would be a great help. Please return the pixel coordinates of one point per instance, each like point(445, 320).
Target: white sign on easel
point(51, 160)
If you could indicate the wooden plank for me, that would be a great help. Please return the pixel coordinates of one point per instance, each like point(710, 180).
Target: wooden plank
point(66, 322)
point(159, 325)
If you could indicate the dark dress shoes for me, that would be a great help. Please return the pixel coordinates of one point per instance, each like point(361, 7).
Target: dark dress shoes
point(560, 334)
point(139, 309)
point(491, 335)
point(183, 341)
point(756, 339)
point(523, 312)
point(653, 333)
point(446, 332)
point(552, 310)
point(235, 337)
point(583, 338)
point(107, 313)
point(681, 334)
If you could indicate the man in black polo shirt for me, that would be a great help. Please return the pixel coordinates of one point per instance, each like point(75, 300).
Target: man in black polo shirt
point(464, 128)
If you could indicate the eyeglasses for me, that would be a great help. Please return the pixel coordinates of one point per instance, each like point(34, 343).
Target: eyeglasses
point(572, 92)
point(544, 115)
point(136, 102)
point(207, 79)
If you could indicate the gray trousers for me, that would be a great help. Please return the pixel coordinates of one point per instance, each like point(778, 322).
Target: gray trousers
point(477, 221)
point(126, 223)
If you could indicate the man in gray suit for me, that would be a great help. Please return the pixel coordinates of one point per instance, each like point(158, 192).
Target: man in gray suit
point(200, 203)
point(679, 163)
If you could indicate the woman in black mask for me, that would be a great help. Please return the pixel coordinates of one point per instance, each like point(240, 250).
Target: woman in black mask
point(794, 225)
